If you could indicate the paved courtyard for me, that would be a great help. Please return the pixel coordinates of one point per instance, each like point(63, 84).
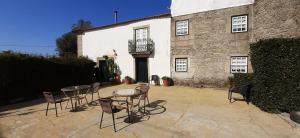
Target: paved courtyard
point(173, 112)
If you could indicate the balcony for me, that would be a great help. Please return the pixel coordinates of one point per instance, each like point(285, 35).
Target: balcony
point(141, 48)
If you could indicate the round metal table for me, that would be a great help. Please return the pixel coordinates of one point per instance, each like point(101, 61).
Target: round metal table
point(73, 92)
point(128, 93)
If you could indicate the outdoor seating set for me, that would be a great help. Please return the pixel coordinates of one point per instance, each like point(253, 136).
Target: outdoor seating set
point(120, 99)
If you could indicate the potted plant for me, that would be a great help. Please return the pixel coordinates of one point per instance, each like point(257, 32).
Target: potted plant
point(166, 80)
point(127, 80)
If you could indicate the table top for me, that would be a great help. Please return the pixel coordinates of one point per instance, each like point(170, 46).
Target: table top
point(126, 92)
point(75, 88)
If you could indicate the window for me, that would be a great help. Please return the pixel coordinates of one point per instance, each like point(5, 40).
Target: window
point(239, 24)
point(141, 38)
point(182, 27)
point(181, 64)
point(239, 65)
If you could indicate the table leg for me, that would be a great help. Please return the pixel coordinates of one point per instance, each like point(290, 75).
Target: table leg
point(131, 107)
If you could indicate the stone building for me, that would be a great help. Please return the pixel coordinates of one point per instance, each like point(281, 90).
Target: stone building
point(211, 40)
point(201, 43)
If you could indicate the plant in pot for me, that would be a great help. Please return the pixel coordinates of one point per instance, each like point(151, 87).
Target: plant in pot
point(127, 80)
point(166, 80)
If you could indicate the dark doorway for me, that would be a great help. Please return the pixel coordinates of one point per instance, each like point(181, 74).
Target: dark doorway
point(102, 75)
point(141, 69)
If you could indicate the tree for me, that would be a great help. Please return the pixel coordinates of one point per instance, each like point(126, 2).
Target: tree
point(66, 45)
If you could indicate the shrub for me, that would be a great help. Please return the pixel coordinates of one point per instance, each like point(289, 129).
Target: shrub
point(165, 78)
point(276, 65)
point(26, 76)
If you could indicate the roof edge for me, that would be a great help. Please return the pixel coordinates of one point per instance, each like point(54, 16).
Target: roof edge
point(128, 22)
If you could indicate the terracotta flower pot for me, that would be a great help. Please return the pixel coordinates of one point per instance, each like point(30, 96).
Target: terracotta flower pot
point(118, 78)
point(295, 116)
point(166, 82)
point(127, 81)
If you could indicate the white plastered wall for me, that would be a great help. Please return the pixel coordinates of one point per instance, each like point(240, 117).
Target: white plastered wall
point(102, 42)
point(183, 7)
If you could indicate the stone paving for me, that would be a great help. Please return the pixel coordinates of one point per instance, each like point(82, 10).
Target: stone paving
point(173, 112)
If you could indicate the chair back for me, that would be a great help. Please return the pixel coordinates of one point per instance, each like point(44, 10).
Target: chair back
point(154, 77)
point(106, 105)
point(70, 93)
point(95, 87)
point(84, 91)
point(49, 97)
point(143, 90)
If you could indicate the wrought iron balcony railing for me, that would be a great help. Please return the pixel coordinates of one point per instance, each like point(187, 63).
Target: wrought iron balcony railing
point(141, 46)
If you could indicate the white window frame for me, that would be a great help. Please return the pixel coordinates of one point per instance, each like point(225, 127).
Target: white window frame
point(181, 64)
point(239, 64)
point(182, 27)
point(141, 40)
point(239, 24)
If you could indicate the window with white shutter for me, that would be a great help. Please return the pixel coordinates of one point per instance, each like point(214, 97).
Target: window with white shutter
point(182, 27)
point(239, 24)
point(239, 64)
point(181, 64)
point(141, 38)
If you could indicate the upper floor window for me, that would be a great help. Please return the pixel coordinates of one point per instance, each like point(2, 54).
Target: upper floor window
point(239, 23)
point(181, 64)
point(141, 39)
point(239, 65)
point(182, 27)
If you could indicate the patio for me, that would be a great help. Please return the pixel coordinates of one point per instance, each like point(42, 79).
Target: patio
point(173, 112)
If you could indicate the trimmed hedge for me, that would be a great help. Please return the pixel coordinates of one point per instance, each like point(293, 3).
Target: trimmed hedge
point(276, 65)
point(25, 76)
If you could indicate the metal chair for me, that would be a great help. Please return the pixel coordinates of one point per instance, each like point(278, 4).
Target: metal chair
point(143, 96)
point(245, 90)
point(95, 89)
point(155, 79)
point(108, 107)
point(82, 95)
point(51, 99)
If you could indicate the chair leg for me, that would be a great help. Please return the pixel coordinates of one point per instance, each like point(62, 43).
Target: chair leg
point(145, 105)
point(101, 120)
point(87, 103)
point(55, 109)
point(230, 96)
point(128, 112)
point(148, 100)
point(92, 97)
point(72, 103)
point(47, 109)
point(60, 106)
point(98, 95)
point(67, 103)
point(113, 116)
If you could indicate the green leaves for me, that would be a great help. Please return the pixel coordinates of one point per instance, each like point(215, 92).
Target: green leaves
point(27, 76)
point(276, 65)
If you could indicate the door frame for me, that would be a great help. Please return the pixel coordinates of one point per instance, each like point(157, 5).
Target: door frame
point(135, 68)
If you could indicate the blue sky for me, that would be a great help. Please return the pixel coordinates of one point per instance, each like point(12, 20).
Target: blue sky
point(32, 26)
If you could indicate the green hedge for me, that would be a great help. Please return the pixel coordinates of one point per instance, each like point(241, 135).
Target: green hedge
point(24, 76)
point(276, 65)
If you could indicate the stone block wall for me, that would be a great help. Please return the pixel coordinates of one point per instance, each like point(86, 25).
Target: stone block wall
point(210, 43)
point(276, 18)
point(209, 47)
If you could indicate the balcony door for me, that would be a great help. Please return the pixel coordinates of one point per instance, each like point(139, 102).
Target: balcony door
point(141, 37)
point(141, 69)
